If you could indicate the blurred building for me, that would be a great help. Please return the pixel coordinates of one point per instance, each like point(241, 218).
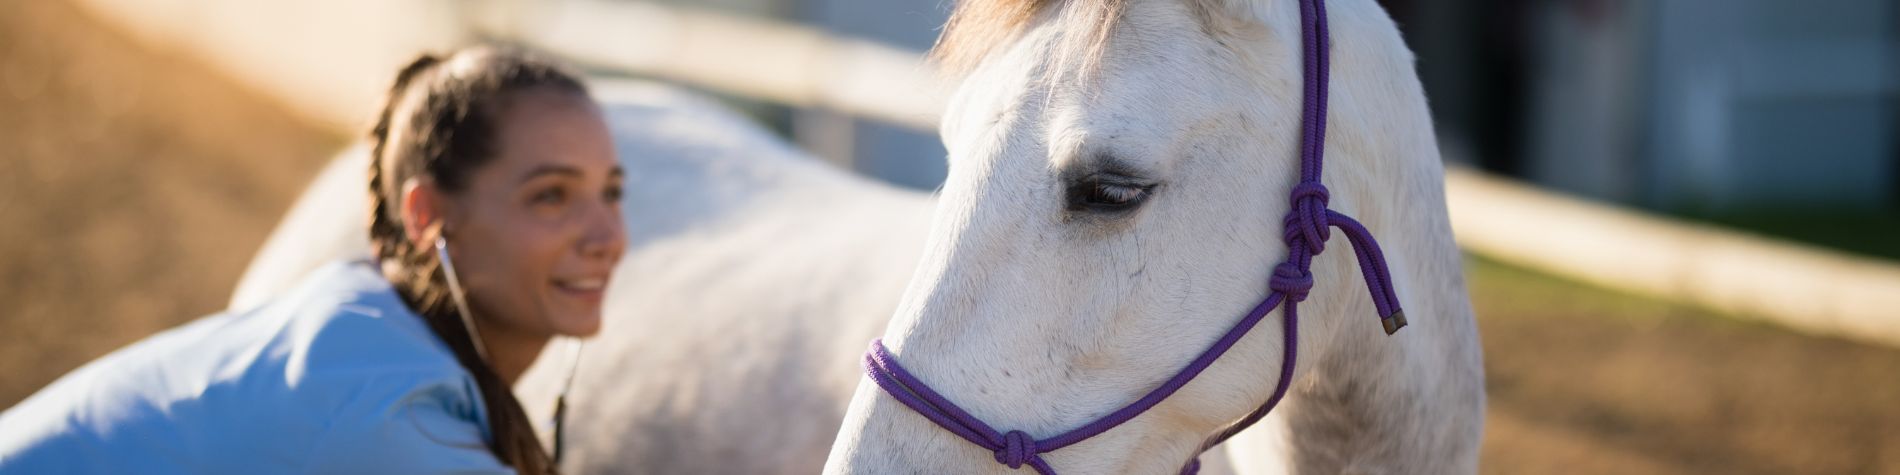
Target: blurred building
point(1682, 105)
point(902, 156)
point(897, 155)
point(1678, 105)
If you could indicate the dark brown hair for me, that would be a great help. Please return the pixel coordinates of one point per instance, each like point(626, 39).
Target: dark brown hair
point(440, 120)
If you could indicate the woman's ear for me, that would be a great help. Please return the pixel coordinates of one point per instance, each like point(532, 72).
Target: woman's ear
point(423, 207)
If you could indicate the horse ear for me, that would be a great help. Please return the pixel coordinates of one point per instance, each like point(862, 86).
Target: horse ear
point(423, 207)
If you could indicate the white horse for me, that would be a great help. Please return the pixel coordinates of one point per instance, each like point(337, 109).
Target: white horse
point(753, 278)
point(1118, 171)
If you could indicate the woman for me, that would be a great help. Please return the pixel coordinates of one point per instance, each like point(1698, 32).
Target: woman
point(493, 178)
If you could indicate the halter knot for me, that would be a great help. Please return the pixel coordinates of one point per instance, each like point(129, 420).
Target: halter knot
point(1307, 223)
point(1291, 280)
point(1018, 448)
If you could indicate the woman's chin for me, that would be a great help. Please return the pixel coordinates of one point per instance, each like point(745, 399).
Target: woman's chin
point(574, 317)
point(579, 327)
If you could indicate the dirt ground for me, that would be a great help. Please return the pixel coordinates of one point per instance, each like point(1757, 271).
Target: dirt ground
point(1583, 380)
point(135, 185)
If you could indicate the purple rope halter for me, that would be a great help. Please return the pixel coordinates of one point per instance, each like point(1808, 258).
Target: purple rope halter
point(1308, 226)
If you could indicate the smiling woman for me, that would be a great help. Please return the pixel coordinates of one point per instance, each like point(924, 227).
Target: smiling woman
point(496, 226)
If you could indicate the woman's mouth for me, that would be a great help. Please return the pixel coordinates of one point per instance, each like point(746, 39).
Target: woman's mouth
point(589, 289)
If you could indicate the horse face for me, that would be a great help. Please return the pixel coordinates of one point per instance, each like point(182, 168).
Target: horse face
point(1103, 221)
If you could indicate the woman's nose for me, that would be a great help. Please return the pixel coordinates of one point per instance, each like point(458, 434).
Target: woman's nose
point(605, 235)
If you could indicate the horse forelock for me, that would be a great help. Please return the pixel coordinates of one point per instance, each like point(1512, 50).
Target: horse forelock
point(978, 27)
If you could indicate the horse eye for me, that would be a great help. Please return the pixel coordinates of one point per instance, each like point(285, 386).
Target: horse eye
point(1106, 196)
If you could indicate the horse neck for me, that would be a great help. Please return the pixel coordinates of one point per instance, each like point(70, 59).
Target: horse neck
point(1408, 403)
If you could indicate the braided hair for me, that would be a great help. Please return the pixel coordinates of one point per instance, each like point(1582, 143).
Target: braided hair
point(440, 120)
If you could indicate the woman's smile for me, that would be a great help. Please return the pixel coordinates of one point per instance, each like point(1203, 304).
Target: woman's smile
point(586, 289)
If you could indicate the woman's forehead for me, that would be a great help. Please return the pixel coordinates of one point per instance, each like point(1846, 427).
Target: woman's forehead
point(540, 129)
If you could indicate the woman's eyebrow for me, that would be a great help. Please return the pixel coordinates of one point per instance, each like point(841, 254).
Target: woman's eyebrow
point(541, 170)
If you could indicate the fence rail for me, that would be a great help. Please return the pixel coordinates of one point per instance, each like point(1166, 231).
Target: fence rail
point(329, 59)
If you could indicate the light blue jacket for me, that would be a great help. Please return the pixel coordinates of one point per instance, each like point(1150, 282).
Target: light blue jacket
point(336, 376)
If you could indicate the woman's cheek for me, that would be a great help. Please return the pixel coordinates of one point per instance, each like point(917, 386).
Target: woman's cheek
point(540, 247)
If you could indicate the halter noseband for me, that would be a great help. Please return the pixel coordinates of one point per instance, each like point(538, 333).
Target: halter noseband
point(1307, 227)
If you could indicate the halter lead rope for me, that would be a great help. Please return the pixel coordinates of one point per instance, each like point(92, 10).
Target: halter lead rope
point(1307, 227)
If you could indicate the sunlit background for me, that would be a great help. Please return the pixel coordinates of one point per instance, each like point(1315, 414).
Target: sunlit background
point(141, 167)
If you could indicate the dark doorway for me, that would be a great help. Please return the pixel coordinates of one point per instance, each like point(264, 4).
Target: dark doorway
point(1472, 59)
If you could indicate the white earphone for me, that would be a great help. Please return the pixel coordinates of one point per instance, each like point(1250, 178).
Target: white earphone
point(455, 293)
point(468, 321)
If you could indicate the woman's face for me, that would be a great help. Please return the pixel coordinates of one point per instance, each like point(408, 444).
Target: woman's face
point(536, 232)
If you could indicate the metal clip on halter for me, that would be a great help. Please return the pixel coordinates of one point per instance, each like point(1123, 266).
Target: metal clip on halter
point(1393, 322)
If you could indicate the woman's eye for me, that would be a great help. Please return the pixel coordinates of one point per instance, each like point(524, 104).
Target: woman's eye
point(613, 194)
point(1106, 196)
point(549, 196)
